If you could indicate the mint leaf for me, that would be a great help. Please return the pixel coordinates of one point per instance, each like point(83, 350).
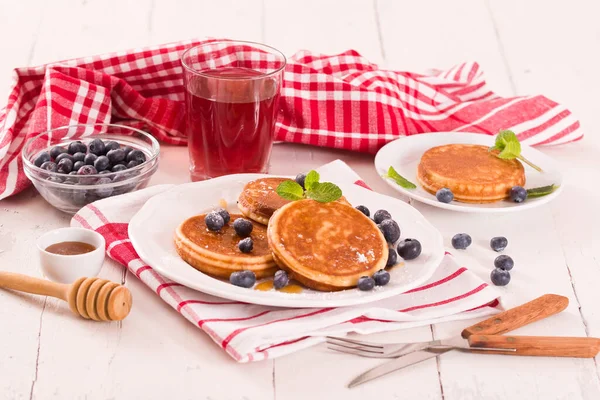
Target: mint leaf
point(508, 147)
point(399, 179)
point(541, 191)
point(324, 192)
point(290, 190)
point(311, 178)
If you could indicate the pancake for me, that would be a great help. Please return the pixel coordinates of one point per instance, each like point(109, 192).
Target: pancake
point(326, 246)
point(471, 172)
point(217, 254)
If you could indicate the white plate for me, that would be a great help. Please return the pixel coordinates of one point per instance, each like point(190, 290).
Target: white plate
point(151, 232)
point(404, 155)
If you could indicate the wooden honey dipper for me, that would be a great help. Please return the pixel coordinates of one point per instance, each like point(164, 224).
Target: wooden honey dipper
point(91, 298)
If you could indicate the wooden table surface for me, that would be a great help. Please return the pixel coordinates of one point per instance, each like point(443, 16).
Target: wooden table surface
point(525, 47)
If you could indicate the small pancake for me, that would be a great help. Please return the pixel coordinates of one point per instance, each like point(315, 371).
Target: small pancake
point(471, 172)
point(217, 254)
point(326, 246)
point(259, 200)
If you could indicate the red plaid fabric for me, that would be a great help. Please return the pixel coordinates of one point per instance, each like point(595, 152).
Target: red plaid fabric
point(341, 101)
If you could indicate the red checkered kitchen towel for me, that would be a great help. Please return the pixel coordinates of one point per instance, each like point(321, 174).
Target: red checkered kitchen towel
point(341, 101)
point(249, 332)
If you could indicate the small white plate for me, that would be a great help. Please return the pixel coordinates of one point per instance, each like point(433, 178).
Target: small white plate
point(151, 232)
point(404, 155)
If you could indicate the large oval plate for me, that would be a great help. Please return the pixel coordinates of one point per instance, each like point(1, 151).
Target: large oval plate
point(151, 232)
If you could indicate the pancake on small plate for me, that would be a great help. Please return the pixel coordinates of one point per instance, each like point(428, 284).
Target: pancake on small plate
point(326, 246)
point(217, 253)
point(471, 172)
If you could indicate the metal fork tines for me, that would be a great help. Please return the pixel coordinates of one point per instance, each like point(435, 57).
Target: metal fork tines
point(376, 350)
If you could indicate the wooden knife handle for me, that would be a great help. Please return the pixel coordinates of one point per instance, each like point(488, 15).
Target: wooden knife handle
point(580, 347)
point(540, 308)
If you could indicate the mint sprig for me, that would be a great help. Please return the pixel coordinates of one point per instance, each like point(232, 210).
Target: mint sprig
point(323, 192)
point(508, 147)
point(541, 191)
point(399, 179)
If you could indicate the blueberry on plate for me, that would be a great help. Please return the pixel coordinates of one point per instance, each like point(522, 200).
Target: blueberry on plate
point(392, 258)
point(246, 245)
point(498, 243)
point(49, 166)
point(103, 192)
point(381, 277)
point(78, 165)
point(500, 277)
point(280, 279)
point(444, 195)
point(110, 145)
point(62, 156)
point(461, 241)
point(118, 167)
point(56, 151)
point(78, 157)
point(41, 159)
point(77, 147)
point(243, 227)
point(245, 279)
point(364, 210)
point(366, 283)
point(381, 215)
point(64, 166)
point(300, 179)
point(135, 155)
point(390, 230)
point(214, 221)
point(223, 213)
point(101, 163)
point(518, 194)
point(90, 159)
point(504, 262)
point(97, 147)
point(409, 249)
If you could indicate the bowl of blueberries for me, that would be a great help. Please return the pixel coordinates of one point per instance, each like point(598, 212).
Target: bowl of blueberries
point(75, 165)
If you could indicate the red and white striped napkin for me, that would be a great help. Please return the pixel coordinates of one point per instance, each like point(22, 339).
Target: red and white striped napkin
point(341, 101)
point(249, 332)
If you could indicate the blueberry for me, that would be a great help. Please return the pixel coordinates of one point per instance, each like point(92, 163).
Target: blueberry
point(366, 283)
point(242, 227)
point(56, 151)
point(392, 258)
point(80, 197)
point(116, 156)
point(461, 241)
point(518, 194)
point(62, 156)
point(49, 166)
point(214, 221)
point(87, 170)
point(78, 165)
point(132, 164)
point(444, 195)
point(104, 172)
point(77, 147)
point(90, 159)
point(97, 147)
point(498, 243)
point(381, 277)
point(390, 230)
point(73, 173)
point(223, 213)
point(41, 159)
point(280, 279)
point(118, 167)
point(78, 157)
point(127, 149)
point(245, 279)
point(246, 245)
point(500, 277)
point(364, 210)
point(135, 155)
point(110, 145)
point(64, 166)
point(504, 262)
point(409, 249)
point(300, 178)
point(105, 191)
point(54, 179)
point(381, 215)
point(101, 163)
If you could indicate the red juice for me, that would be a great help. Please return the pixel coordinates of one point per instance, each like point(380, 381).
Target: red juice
point(231, 116)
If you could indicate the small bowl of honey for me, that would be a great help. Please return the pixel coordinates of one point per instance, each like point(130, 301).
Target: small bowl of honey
point(67, 254)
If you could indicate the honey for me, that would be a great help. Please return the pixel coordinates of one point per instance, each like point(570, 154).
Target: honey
point(268, 285)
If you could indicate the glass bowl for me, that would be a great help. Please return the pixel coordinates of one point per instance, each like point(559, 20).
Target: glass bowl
point(69, 193)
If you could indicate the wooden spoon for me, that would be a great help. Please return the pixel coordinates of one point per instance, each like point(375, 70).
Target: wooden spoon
point(91, 298)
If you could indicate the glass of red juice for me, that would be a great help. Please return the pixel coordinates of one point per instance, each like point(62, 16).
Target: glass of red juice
point(231, 101)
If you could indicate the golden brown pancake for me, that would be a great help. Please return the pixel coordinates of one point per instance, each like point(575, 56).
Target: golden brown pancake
point(326, 246)
point(471, 172)
point(217, 254)
point(259, 200)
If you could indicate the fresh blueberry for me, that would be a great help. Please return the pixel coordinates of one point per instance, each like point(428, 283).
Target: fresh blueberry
point(381, 215)
point(390, 230)
point(245, 279)
point(242, 227)
point(504, 262)
point(500, 277)
point(116, 156)
point(104, 172)
point(118, 167)
point(78, 157)
point(381, 277)
point(364, 210)
point(80, 197)
point(300, 179)
point(105, 191)
point(54, 179)
point(77, 147)
point(125, 187)
point(461, 241)
point(214, 221)
point(62, 156)
point(41, 159)
point(97, 147)
point(49, 166)
point(90, 159)
point(87, 170)
point(64, 166)
point(78, 165)
point(246, 245)
point(498, 243)
point(110, 145)
point(366, 283)
point(409, 249)
point(135, 155)
point(56, 151)
point(224, 214)
point(280, 279)
point(132, 164)
point(127, 149)
point(392, 258)
point(518, 194)
point(444, 195)
point(73, 173)
point(101, 163)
